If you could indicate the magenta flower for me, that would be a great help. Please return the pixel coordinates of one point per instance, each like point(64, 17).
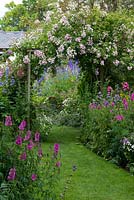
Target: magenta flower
point(109, 89)
point(113, 104)
point(125, 86)
point(8, 121)
point(119, 117)
point(23, 156)
point(40, 153)
point(34, 177)
point(19, 140)
point(56, 148)
point(132, 97)
point(30, 145)
point(125, 103)
point(37, 137)
point(22, 125)
point(12, 174)
point(58, 164)
point(27, 136)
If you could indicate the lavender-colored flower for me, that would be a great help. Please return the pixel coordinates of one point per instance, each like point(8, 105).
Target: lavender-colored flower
point(9, 52)
point(106, 103)
point(125, 141)
point(23, 156)
point(7, 72)
point(12, 174)
point(1, 73)
point(12, 82)
point(22, 125)
point(8, 121)
point(37, 137)
point(19, 140)
point(26, 60)
point(56, 148)
point(33, 177)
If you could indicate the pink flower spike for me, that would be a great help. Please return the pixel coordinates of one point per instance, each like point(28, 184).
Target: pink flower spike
point(125, 86)
point(8, 121)
point(12, 174)
point(30, 145)
point(18, 140)
point(56, 148)
point(27, 136)
point(37, 137)
point(119, 117)
point(23, 156)
point(132, 97)
point(109, 89)
point(125, 103)
point(22, 125)
point(34, 177)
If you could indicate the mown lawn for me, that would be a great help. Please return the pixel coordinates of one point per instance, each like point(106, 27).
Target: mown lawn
point(95, 178)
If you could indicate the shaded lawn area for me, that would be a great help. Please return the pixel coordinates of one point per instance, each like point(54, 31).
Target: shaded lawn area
point(95, 178)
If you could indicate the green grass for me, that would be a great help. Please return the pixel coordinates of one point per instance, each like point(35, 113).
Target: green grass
point(95, 178)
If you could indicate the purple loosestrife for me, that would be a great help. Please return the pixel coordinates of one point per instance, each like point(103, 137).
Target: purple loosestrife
point(19, 140)
point(37, 137)
point(23, 156)
point(33, 177)
point(22, 125)
point(119, 117)
point(8, 121)
point(109, 89)
point(56, 148)
point(132, 97)
point(12, 174)
point(125, 86)
point(30, 145)
point(125, 103)
point(27, 136)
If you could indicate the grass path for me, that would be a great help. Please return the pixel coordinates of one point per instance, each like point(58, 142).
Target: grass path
point(95, 178)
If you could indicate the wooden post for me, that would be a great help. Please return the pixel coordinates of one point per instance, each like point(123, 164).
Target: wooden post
point(29, 92)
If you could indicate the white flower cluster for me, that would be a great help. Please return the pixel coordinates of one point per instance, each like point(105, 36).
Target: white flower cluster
point(128, 145)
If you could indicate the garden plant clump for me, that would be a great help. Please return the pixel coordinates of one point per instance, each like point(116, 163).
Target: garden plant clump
point(26, 171)
point(108, 126)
